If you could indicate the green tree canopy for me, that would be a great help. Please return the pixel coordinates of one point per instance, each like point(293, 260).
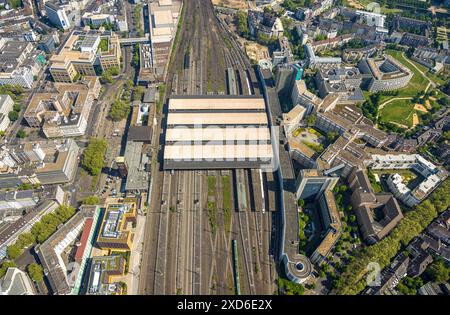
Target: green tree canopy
point(94, 155)
point(36, 273)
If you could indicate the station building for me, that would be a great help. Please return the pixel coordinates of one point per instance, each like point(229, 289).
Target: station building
point(217, 132)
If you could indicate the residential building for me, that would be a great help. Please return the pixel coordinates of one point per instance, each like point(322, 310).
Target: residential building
point(389, 277)
point(6, 105)
point(19, 62)
point(264, 23)
point(24, 224)
point(377, 213)
point(63, 272)
point(432, 175)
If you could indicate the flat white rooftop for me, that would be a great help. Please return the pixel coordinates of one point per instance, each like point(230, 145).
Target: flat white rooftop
point(216, 119)
point(210, 153)
point(217, 104)
point(218, 134)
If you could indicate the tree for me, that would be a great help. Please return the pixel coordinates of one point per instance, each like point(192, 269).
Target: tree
point(311, 120)
point(36, 273)
point(4, 267)
point(301, 203)
point(242, 25)
point(119, 110)
point(331, 136)
point(438, 271)
point(106, 77)
point(21, 134)
point(93, 157)
point(14, 251)
point(114, 71)
point(13, 115)
point(91, 200)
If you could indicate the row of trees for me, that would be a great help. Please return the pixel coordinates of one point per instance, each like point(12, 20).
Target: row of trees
point(293, 5)
point(94, 155)
point(414, 222)
point(14, 114)
point(41, 231)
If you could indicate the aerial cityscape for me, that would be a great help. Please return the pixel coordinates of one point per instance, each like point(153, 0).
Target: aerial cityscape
point(224, 147)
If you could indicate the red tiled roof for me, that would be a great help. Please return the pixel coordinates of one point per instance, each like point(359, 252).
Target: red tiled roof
point(84, 239)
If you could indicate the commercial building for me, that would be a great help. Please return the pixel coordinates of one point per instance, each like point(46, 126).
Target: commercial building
point(377, 214)
point(217, 132)
point(385, 75)
point(104, 270)
point(16, 282)
point(18, 199)
point(432, 175)
point(62, 271)
point(115, 232)
point(6, 105)
point(65, 112)
point(87, 53)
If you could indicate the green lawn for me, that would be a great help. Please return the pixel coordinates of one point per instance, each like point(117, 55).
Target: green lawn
point(104, 44)
point(400, 112)
point(417, 84)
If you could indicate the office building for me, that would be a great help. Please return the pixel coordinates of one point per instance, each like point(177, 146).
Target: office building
point(316, 187)
point(104, 270)
point(385, 75)
point(115, 231)
point(65, 112)
point(57, 15)
point(81, 53)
